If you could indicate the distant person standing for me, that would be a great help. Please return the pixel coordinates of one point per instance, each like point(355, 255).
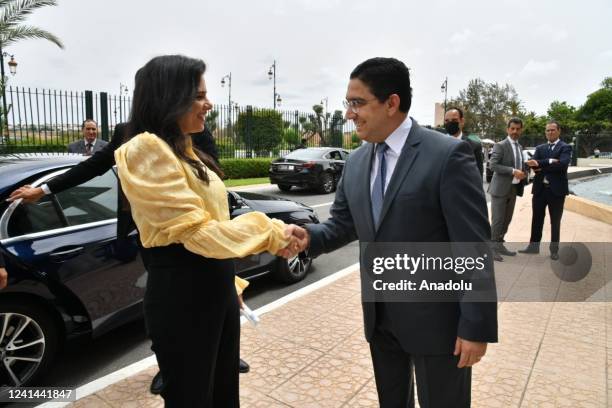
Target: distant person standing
point(550, 163)
point(508, 182)
point(596, 153)
point(90, 143)
point(454, 123)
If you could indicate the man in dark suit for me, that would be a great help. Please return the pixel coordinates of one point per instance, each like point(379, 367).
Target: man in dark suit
point(508, 182)
point(98, 164)
point(454, 123)
point(409, 184)
point(550, 162)
point(90, 143)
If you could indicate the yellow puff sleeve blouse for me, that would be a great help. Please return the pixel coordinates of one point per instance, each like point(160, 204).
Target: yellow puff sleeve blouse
point(171, 205)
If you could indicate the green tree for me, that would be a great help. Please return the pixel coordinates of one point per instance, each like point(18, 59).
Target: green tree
point(259, 130)
point(487, 107)
point(533, 128)
point(12, 14)
point(314, 124)
point(335, 129)
point(594, 119)
point(607, 83)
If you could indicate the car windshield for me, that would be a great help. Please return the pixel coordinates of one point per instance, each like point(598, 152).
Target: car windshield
point(305, 154)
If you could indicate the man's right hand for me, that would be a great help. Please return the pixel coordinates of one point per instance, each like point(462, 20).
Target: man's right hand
point(519, 174)
point(3, 278)
point(28, 193)
point(300, 240)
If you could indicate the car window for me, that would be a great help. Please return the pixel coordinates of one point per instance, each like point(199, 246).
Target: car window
point(335, 155)
point(94, 200)
point(344, 154)
point(304, 154)
point(36, 217)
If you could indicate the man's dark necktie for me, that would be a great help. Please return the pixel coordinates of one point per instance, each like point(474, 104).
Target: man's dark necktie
point(88, 148)
point(517, 159)
point(378, 190)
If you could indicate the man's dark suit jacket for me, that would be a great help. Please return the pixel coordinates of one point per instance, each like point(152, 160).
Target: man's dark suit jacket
point(104, 160)
point(477, 149)
point(555, 173)
point(80, 146)
point(434, 195)
point(1, 260)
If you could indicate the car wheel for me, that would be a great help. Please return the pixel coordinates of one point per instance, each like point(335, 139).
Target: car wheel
point(327, 183)
point(293, 269)
point(29, 340)
point(284, 187)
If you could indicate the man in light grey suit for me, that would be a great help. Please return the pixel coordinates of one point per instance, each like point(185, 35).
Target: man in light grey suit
point(90, 143)
point(409, 184)
point(509, 177)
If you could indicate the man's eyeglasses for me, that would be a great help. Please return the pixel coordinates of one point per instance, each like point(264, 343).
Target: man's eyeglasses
point(355, 104)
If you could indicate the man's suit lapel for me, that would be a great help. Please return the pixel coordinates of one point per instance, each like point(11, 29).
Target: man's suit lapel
point(364, 177)
point(404, 163)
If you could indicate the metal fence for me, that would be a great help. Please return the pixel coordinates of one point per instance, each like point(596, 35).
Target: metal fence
point(42, 120)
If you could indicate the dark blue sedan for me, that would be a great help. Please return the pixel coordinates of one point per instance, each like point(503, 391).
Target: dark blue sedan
point(68, 275)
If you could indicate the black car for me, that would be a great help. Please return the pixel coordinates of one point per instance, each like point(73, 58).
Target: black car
point(315, 167)
point(69, 276)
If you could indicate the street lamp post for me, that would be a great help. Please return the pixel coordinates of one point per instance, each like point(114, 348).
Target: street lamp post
point(444, 88)
point(229, 97)
point(3, 80)
point(122, 89)
point(276, 100)
point(325, 116)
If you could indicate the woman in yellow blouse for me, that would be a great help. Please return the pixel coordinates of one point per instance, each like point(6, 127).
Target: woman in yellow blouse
point(179, 204)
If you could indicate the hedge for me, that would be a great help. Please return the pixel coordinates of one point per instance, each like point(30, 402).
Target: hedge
point(245, 168)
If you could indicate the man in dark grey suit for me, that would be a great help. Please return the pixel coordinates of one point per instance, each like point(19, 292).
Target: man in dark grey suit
point(90, 143)
point(453, 123)
point(409, 184)
point(508, 182)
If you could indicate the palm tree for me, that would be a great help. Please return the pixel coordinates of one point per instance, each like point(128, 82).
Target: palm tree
point(12, 14)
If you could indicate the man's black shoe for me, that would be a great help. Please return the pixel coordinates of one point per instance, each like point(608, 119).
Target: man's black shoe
point(554, 256)
point(497, 257)
point(157, 385)
point(244, 367)
point(158, 382)
point(501, 249)
point(531, 249)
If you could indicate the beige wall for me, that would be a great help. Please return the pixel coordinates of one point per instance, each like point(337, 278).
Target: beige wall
point(439, 115)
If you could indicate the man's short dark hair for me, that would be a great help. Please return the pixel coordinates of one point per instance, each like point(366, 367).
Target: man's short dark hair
point(458, 109)
point(88, 120)
point(554, 122)
point(385, 77)
point(516, 121)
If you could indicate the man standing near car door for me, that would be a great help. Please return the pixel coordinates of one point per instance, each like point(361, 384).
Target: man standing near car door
point(454, 123)
point(508, 182)
point(550, 162)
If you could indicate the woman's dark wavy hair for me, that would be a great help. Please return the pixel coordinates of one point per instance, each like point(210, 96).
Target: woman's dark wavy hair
point(165, 90)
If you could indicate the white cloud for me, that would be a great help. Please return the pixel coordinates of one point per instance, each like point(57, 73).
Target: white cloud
point(461, 37)
point(548, 32)
point(606, 54)
point(540, 68)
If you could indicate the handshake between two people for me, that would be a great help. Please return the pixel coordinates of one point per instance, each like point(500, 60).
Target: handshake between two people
point(299, 240)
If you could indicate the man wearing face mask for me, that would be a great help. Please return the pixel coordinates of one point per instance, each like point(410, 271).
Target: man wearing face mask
point(453, 123)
